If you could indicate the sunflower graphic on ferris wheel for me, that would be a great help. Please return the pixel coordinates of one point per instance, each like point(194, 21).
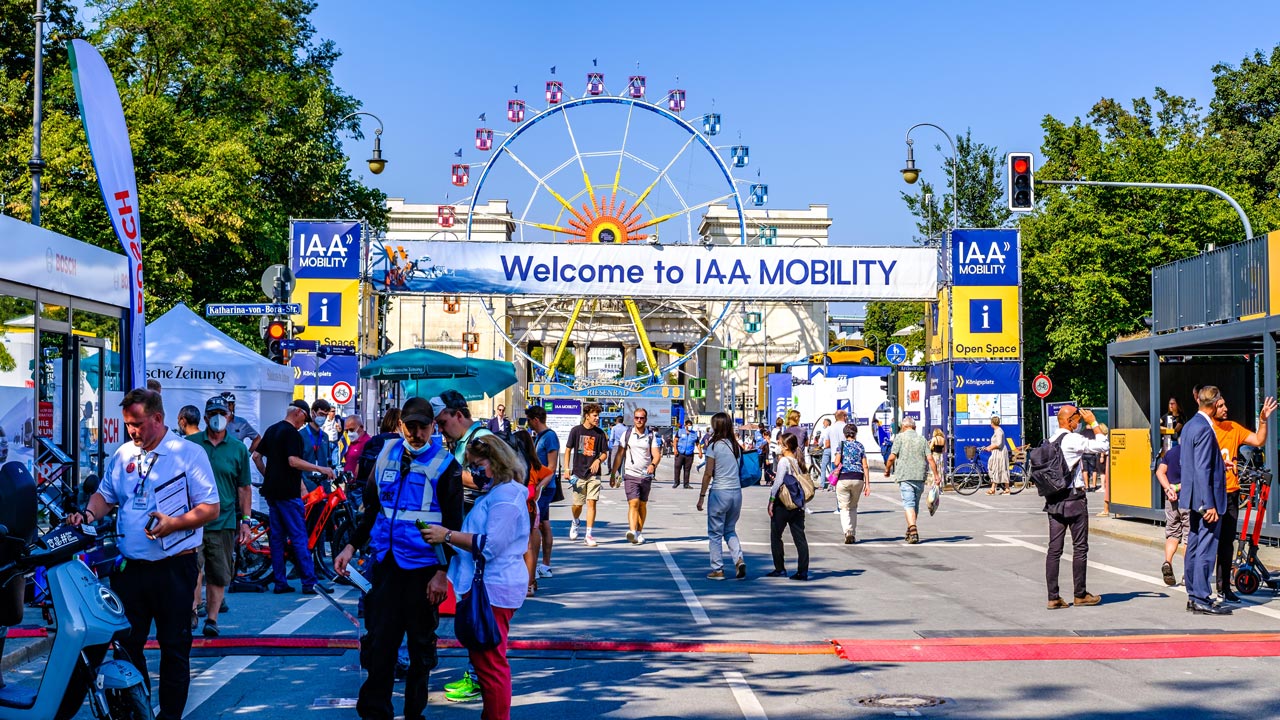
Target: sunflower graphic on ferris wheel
point(608, 167)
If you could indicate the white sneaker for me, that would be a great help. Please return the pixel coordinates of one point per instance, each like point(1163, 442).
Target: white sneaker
point(590, 541)
point(573, 530)
point(639, 539)
point(544, 571)
point(631, 536)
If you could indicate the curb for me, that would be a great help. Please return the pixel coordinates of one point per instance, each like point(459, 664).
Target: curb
point(1135, 538)
point(26, 653)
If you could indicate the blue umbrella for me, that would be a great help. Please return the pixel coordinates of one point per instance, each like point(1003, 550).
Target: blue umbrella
point(416, 364)
point(485, 378)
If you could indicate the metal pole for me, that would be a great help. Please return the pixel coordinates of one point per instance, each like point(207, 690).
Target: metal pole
point(1244, 220)
point(36, 165)
point(955, 163)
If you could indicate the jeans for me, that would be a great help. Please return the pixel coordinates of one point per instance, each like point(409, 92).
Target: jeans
point(723, 509)
point(848, 493)
point(825, 465)
point(1079, 525)
point(288, 527)
point(911, 492)
point(783, 518)
point(160, 591)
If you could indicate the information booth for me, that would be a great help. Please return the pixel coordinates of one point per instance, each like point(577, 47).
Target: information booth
point(1215, 320)
point(62, 307)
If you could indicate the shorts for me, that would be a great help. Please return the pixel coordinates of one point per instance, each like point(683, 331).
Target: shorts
point(586, 489)
point(1177, 523)
point(637, 487)
point(219, 554)
point(1090, 463)
point(911, 491)
point(544, 500)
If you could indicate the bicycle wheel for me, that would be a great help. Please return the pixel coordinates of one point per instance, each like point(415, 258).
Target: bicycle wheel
point(1017, 479)
point(967, 479)
point(253, 561)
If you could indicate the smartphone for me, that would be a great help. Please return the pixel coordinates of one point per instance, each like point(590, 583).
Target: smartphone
point(152, 522)
point(422, 525)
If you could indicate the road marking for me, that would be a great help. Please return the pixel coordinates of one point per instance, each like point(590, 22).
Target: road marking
point(864, 545)
point(208, 683)
point(691, 600)
point(1250, 604)
point(967, 501)
point(747, 702)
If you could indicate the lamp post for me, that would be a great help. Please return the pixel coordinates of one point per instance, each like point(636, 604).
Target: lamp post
point(36, 165)
point(910, 173)
point(376, 163)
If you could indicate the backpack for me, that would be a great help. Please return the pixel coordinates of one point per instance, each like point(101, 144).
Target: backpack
point(1047, 468)
point(850, 456)
point(624, 448)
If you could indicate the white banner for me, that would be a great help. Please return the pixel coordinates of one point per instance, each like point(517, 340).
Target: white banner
point(112, 155)
point(726, 272)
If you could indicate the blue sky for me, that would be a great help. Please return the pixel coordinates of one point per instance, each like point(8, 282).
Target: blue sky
point(822, 92)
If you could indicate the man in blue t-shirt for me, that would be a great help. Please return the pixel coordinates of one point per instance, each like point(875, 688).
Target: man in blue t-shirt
point(1177, 520)
point(546, 445)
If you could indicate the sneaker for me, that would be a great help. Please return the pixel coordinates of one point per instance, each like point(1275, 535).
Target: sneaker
point(573, 530)
point(468, 690)
point(1167, 571)
point(1087, 599)
point(715, 575)
point(591, 541)
point(210, 628)
point(848, 538)
point(631, 536)
point(639, 539)
point(741, 567)
point(465, 681)
point(544, 571)
point(202, 610)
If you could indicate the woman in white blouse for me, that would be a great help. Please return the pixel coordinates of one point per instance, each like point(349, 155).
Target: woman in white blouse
point(497, 528)
point(725, 505)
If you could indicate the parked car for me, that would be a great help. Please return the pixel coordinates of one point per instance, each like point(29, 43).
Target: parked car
point(845, 354)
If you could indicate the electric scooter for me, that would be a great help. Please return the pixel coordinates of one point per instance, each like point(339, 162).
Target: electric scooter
point(1250, 574)
point(88, 614)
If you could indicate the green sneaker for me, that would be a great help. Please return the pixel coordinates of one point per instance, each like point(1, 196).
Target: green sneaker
point(466, 681)
point(465, 689)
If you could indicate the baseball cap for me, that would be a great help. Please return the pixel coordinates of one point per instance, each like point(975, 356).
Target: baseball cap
point(417, 409)
point(447, 400)
point(302, 405)
point(229, 396)
point(217, 403)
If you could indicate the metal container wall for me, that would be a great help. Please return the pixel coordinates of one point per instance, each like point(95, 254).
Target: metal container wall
point(1214, 287)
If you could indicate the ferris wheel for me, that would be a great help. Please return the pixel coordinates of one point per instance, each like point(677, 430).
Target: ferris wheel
point(607, 168)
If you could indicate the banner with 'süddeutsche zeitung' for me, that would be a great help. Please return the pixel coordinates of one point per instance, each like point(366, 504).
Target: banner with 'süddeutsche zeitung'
point(728, 272)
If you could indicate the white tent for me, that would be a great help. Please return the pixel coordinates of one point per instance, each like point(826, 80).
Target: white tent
point(194, 361)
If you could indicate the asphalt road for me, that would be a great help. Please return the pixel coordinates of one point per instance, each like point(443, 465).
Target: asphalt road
point(978, 576)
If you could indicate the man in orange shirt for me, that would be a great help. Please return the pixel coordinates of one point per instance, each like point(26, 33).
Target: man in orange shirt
point(1231, 435)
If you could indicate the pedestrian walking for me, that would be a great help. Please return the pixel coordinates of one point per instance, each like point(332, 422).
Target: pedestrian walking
point(1204, 491)
point(998, 460)
point(279, 458)
point(496, 530)
point(1177, 519)
point(1231, 437)
point(908, 461)
point(790, 470)
point(850, 460)
point(1069, 509)
point(823, 449)
point(687, 443)
point(421, 484)
point(615, 438)
point(722, 495)
point(637, 460)
point(547, 447)
point(937, 447)
point(229, 460)
point(586, 452)
point(500, 424)
point(158, 579)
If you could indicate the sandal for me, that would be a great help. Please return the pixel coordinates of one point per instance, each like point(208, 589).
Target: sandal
point(913, 536)
point(533, 589)
point(992, 491)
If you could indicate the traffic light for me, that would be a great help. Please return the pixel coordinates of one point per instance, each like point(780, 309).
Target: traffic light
point(1022, 193)
point(884, 385)
point(277, 330)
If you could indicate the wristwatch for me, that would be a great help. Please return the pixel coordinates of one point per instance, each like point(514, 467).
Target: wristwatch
point(447, 534)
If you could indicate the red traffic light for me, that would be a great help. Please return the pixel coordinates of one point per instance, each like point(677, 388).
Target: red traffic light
point(1021, 165)
point(276, 330)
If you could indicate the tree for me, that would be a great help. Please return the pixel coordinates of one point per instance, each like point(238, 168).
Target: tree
point(980, 182)
point(886, 318)
point(234, 122)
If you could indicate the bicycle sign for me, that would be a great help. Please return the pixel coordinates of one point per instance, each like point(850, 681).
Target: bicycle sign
point(1042, 386)
point(341, 393)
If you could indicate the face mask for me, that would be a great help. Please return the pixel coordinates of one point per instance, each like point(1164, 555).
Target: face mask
point(217, 423)
point(353, 435)
point(416, 451)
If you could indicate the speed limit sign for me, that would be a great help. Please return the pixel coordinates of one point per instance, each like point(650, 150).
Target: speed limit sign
point(1042, 386)
point(341, 392)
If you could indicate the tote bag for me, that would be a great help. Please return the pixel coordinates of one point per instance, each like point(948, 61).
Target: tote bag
point(474, 624)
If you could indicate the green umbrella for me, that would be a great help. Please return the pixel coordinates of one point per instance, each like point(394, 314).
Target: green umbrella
point(486, 377)
point(416, 364)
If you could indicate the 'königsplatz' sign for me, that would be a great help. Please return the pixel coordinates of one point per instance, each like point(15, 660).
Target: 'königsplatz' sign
point(729, 272)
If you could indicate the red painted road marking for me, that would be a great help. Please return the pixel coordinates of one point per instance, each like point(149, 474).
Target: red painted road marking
point(1003, 649)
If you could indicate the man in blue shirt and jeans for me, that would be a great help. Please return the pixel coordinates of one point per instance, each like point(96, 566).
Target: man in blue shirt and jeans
point(686, 445)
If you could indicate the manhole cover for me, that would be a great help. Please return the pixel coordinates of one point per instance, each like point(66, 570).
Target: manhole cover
point(900, 702)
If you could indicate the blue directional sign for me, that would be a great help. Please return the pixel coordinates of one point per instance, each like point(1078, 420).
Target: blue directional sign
point(298, 345)
point(896, 354)
point(232, 309)
point(338, 349)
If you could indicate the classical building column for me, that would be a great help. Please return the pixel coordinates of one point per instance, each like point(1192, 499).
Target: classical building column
point(629, 360)
point(522, 380)
point(580, 368)
point(548, 353)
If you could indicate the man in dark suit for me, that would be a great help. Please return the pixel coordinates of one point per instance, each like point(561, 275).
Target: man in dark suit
point(1204, 493)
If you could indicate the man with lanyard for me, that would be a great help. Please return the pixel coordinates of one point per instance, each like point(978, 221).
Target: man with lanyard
point(316, 447)
point(279, 459)
point(638, 458)
point(415, 483)
point(686, 445)
point(238, 427)
point(159, 579)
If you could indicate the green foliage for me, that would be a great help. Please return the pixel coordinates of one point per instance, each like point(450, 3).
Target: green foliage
point(234, 120)
point(886, 318)
point(980, 181)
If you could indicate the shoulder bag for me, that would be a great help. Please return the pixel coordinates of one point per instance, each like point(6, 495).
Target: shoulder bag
point(474, 624)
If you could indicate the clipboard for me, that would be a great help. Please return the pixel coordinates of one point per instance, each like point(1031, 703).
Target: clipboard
point(172, 500)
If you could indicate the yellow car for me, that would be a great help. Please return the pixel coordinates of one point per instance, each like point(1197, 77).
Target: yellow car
point(849, 354)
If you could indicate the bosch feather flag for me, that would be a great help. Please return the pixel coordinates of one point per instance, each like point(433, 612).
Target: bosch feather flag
point(113, 160)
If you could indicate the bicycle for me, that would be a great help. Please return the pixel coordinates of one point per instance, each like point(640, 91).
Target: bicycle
point(330, 515)
point(971, 475)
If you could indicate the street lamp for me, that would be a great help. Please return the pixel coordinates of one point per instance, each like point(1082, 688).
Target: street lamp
point(36, 165)
point(911, 173)
point(376, 163)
